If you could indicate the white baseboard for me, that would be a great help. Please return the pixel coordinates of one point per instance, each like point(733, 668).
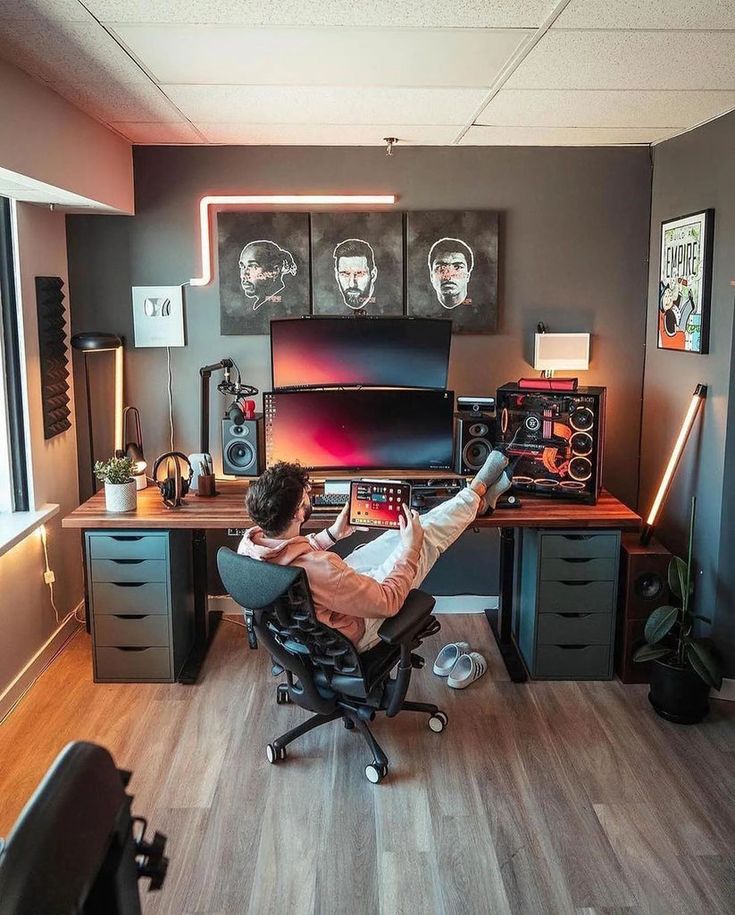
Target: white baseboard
point(456, 603)
point(727, 692)
point(17, 688)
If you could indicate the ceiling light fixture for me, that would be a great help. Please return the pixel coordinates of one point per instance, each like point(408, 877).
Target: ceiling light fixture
point(337, 200)
point(390, 142)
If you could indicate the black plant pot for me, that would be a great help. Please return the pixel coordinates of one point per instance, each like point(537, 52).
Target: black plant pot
point(678, 693)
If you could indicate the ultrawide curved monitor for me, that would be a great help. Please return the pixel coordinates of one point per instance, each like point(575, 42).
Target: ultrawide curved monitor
point(362, 350)
point(360, 430)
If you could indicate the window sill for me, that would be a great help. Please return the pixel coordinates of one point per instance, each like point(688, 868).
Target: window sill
point(16, 526)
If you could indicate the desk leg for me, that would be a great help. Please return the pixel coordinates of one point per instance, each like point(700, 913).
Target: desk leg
point(500, 620)
point(204, 626)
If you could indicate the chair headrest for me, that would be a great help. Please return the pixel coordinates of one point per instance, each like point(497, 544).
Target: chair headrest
point(254, 584)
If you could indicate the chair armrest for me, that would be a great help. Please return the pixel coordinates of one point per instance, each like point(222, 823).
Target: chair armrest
point(410, 619)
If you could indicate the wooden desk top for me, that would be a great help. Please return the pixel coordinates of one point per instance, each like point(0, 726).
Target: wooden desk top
point(228, 510)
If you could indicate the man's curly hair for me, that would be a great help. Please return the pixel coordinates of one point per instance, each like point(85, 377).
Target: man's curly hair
point(274, 498)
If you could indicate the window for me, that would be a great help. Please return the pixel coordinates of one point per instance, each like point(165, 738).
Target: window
point(13, 469)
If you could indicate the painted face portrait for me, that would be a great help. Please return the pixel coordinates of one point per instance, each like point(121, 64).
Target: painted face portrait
point(264, 265)
point(450, 268)
point(355, 272)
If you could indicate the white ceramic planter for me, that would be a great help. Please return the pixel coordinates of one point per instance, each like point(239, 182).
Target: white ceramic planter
point(120, 497)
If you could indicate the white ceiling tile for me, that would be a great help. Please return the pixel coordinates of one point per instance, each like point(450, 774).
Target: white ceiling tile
point(634, 14)
point(53, 10)
point(324, 105)
point(217, 54)
point(151, 133)
point(603, 108)
point(326, 134)
point(629, 60)
point(84, 64)
point(563, 136)
point(350, 13)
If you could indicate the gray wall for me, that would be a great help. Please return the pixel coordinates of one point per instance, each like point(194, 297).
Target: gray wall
point(574, 230)
point(692, 172)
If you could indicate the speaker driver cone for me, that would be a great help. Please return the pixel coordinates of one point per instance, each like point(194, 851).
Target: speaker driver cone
point(475, 453)
point(240, 454)
point(649, 585)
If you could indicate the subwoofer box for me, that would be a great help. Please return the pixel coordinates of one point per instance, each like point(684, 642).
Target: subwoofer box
point(644, 585)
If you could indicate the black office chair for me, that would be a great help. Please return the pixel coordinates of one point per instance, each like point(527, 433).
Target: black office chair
point(324, 672)
point(72, 850)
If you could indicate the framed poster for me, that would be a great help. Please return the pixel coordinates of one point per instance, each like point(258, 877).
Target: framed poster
point(263, 269)
point(452, 268)
point(685, 282)
point(357, 263)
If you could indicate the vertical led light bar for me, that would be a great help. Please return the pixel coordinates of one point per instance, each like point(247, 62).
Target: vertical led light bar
point(700, 392)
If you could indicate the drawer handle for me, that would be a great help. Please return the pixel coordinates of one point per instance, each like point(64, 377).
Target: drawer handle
point(576, 559)
point(130, 616)
point(572, 647)
point(575, 584)
point(576, 616)
point(577, 536)
point(128, 584)
point(128, 562)
point(126, 538)
point(130, 648)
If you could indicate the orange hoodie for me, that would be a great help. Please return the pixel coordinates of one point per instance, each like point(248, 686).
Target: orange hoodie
point(343, 598)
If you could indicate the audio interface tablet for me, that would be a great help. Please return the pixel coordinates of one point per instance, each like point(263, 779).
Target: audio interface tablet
point(378, 503)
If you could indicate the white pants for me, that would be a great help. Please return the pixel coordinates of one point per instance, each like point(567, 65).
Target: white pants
point(442, 525)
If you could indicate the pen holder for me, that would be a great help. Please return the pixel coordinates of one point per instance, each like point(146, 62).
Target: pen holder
point(206, 487)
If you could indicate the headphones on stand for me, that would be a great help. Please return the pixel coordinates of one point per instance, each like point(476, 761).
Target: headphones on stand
point(174, 486)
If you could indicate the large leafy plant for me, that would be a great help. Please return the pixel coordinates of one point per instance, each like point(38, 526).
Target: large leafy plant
point(114, 470)
point(669, 630)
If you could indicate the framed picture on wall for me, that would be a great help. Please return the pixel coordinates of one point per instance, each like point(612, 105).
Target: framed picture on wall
point(685, 282)
point(452, 268)
point(357, 263)
point(263, 269)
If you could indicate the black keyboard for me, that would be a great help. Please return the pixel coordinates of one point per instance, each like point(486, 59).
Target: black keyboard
point(330, 500)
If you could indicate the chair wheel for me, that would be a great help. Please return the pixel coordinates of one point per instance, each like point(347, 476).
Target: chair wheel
point(438, 722)
point(349, 724)
point(283, 697)
point(375, 773)
point(274, 754)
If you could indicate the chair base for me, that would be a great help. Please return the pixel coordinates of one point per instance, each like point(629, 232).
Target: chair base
point(376, 770)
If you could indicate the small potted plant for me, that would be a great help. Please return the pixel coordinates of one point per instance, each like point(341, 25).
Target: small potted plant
point(684, 667)
point(117, 475)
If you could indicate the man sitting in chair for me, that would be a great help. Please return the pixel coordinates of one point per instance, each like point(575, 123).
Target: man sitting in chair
point(354, 595)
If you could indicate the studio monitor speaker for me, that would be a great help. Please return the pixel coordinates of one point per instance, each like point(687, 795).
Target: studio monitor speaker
point(643, 587)
point(474, 437)
point(243, 446)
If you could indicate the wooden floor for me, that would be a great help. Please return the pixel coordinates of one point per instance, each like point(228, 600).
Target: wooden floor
point(538, 798)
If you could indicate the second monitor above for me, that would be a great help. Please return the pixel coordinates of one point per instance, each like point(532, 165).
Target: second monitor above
point(361, 351)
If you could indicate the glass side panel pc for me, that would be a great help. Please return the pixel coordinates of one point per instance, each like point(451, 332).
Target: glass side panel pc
point(367, 351)
point(360, 429)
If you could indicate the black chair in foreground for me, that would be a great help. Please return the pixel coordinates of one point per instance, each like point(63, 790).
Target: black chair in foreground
point(324, 672)
point(72, 850)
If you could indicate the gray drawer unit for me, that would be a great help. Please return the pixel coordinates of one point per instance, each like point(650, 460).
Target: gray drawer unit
point(141, 604)
point(133, 665)
point(579, 544)
point(135, 570)
point(128, 546)
point(567, 595)
point(130, 598)
point(131, 631)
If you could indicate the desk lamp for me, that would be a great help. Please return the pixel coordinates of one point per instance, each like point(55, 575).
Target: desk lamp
point(103, 343)
point(134, 448)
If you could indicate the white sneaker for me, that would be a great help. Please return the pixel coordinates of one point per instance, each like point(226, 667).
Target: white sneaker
point(448, 657)
point(469, 667)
